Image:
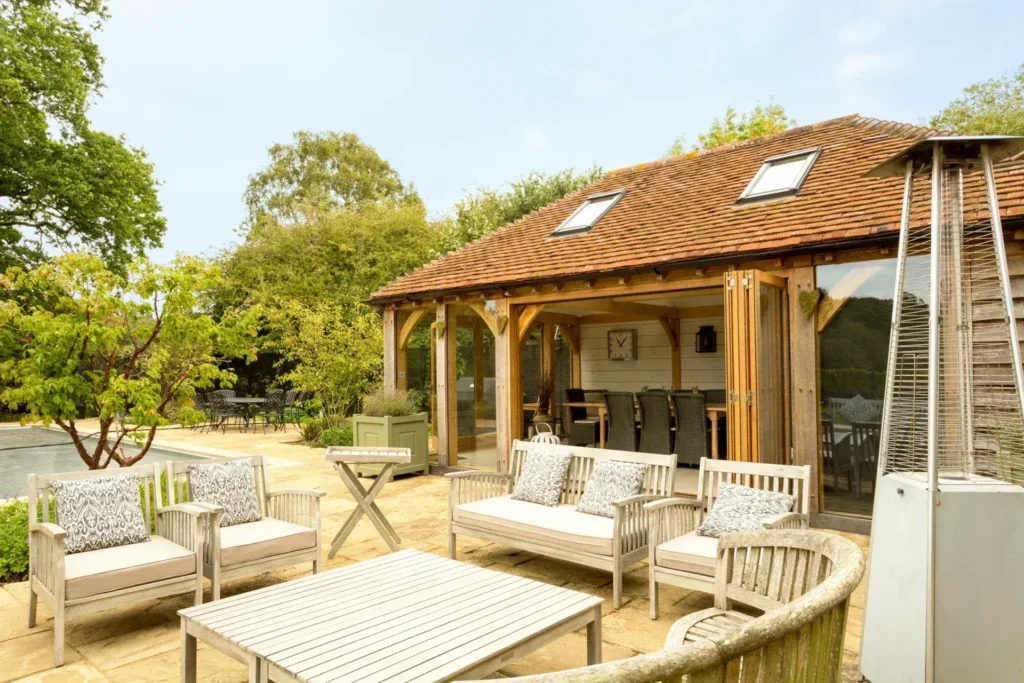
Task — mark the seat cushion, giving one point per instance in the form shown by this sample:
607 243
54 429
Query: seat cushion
256 540
109 569
689 553
560 526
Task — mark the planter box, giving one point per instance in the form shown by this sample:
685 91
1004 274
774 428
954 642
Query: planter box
407 431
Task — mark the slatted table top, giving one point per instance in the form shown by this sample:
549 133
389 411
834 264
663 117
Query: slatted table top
408 616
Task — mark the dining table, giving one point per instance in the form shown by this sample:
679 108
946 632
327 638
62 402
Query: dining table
249 406
715 411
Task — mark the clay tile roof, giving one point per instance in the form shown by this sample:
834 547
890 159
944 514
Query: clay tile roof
683 210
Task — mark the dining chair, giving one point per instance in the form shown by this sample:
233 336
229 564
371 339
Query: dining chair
621 421
865 438
580 428
655 422
691 426
222 411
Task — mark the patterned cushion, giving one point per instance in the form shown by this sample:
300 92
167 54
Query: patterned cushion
100 513
859 409
542 477
231 485
739 508
611 481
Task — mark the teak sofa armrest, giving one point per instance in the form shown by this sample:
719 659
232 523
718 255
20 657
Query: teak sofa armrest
631 527
193 509
670 518
184 524
466 487
52 530
315 493
787 520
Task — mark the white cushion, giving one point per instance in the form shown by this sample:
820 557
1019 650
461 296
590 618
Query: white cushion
560 526
109 569
257 540
689 553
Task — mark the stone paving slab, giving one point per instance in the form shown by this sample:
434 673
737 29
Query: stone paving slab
140 642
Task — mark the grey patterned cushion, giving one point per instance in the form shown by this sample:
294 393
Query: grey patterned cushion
231 485
611 481
100 513
739 508
542 477
859 409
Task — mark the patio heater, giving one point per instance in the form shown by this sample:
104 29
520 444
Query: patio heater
945 599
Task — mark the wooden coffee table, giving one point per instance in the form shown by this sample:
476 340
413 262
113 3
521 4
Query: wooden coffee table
407 616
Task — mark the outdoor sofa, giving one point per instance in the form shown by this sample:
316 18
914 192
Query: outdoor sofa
481 506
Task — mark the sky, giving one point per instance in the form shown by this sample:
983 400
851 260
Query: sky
463 95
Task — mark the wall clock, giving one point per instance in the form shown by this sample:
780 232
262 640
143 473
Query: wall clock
622 344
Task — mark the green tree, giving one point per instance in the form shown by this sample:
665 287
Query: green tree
336 351
992 107
321 173
61 182
339 255
734 127
130 349
486 210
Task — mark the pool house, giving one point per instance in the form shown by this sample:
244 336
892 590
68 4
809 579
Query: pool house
759 275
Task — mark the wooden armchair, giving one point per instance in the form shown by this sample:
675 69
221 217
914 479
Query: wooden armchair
288 534
679 556
94 580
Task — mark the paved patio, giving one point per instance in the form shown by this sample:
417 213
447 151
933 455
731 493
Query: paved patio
140 642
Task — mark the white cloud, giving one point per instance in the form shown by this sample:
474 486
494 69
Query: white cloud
535 139
854 65
860 32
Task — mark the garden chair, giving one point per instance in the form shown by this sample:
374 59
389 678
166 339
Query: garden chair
203 406
621 420
222 412
580 429
691 426
272 411
679 556
655 422
76 583
288 533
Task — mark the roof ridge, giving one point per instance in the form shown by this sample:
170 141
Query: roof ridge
907 130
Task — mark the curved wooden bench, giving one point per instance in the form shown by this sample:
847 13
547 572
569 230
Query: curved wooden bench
802 579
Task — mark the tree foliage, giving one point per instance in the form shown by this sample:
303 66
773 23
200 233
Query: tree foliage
487 210
61 182
128 348
318 174
734 127
992 107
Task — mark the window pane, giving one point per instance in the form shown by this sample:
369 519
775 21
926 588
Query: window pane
781 176
856 311
589 214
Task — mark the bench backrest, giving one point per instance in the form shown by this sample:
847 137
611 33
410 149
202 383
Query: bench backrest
40 489
179 490
794 480
659 480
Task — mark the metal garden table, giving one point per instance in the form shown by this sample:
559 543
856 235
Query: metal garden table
248 406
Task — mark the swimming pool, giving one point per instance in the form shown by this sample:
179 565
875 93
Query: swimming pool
34 450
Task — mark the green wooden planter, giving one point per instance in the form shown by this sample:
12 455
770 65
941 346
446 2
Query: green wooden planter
406 431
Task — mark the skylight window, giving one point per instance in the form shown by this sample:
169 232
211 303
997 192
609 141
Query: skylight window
592 210
781 175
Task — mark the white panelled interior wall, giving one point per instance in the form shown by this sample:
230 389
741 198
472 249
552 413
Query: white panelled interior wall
653 366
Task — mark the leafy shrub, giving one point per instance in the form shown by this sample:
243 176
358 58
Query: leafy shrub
13 540
310 429
383 403
337 436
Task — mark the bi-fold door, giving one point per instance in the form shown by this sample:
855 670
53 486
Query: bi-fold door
755 334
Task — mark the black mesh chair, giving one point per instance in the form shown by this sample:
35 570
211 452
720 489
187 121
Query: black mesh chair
655 422
203 406
272 411
691 427
580 429
621 420
222 412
